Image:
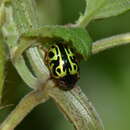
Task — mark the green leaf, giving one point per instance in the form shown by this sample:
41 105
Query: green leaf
101 9
113 8
78 37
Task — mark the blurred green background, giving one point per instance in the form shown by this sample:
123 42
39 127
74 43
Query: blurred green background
105 77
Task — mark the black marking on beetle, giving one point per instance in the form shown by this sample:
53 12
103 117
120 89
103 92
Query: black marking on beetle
55 65
58 70
73 59
67 49
64 56
75 67
51 54
53 46
56 50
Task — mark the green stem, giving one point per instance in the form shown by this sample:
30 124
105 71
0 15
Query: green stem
25 73
84 20
24 107
74 105
77 108
89 14
110 42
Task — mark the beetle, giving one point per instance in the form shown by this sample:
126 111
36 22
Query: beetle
63 65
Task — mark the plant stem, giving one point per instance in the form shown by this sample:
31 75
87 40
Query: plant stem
74 105
77 108
24 107
89 14
83 20
110 42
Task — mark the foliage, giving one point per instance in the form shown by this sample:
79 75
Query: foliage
24 31
101 9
